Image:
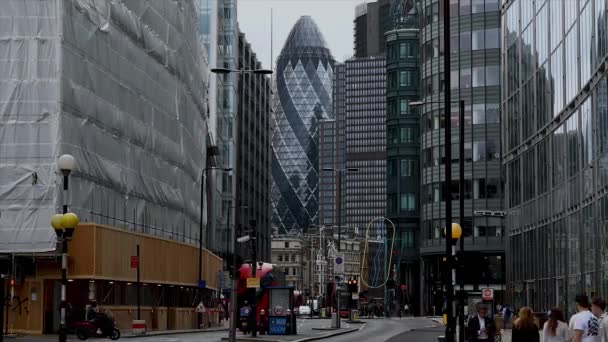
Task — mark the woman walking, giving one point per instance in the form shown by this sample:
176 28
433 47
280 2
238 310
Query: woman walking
524 328
555 329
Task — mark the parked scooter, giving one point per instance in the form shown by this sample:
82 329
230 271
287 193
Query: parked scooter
102 326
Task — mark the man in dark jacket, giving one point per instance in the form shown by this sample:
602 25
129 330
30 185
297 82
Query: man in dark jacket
480 327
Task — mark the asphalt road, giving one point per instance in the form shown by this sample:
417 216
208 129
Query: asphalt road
374 330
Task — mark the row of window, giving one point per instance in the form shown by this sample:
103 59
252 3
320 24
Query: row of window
402 51
479 76
401 202
402 79
462 42
397 107
402 167
288 257
488 150
473 189
481 113
432 12
402 135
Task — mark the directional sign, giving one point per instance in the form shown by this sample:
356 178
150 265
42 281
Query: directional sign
202 284
339 264
487 294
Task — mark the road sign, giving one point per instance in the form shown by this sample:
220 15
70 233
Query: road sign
339 264
202 284
200 308
487 294
223 279
253 282
134 261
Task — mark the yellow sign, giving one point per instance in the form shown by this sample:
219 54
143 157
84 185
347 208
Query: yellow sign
253 283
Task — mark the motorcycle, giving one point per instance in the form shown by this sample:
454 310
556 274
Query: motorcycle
101 326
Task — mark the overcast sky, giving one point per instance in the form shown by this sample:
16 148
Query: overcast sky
334 18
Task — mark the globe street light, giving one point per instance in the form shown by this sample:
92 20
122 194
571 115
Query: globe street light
64 226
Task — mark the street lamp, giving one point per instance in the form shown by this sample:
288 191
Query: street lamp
448 163
64 226
233 298
200 234
339 197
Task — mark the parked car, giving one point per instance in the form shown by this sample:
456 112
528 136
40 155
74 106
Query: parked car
304 310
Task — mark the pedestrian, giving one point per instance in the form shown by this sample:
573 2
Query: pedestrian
584 326
598 307
480 327
556 329
406 309
524 328
507 316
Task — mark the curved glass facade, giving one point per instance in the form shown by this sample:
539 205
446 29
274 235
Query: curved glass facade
304 80
555 110
475 78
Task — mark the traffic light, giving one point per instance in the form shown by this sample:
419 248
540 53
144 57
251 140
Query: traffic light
353 286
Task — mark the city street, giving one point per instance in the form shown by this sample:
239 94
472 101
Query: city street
373 330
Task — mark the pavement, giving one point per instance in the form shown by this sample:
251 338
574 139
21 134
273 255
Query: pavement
373 330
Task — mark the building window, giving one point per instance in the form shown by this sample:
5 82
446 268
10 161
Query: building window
405 78
286 244
407 167
408 202
293 257
404 107
280 257
406 134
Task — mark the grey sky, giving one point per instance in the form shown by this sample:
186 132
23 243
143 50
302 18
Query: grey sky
334 18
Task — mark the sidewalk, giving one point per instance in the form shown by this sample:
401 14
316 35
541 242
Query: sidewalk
308 330
45 338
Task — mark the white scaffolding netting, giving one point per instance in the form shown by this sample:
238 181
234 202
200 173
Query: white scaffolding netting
118 84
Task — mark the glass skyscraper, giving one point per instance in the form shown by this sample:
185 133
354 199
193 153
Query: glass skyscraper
304 78
555 133
475 70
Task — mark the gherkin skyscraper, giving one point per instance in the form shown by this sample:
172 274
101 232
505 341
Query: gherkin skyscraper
303 98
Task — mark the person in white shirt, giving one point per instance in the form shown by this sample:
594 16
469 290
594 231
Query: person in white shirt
584 326
598 307
555 329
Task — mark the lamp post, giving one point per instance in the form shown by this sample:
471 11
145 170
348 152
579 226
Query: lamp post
339 197
233 297
455 235
64 226
461 195
200 236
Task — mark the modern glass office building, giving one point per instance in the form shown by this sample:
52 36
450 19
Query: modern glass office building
475 71
555 133
219 35
304 79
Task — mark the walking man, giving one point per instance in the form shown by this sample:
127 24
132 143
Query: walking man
480 327
584 326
